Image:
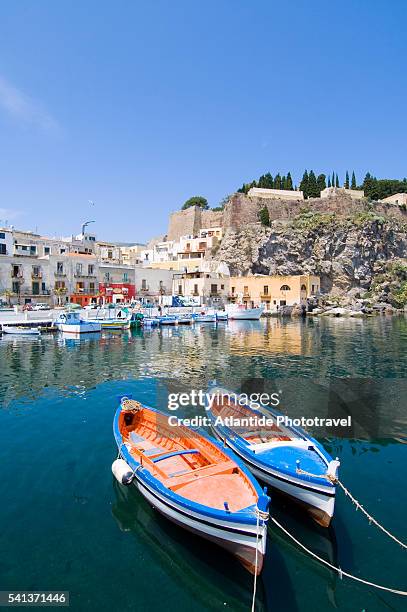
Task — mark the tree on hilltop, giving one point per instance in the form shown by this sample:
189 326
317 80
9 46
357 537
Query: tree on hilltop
321 183
196 201
289 182
353 182
313 191
337 181
346 180
304 184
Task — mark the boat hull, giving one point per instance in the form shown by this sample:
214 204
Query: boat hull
245 314
242 545
20 332
207 318
82 328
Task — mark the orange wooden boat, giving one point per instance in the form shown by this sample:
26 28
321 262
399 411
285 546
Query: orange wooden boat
193 481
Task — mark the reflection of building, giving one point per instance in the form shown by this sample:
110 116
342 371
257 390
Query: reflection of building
276 337
273 291
201 284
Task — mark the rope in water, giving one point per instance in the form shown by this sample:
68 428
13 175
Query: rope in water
333 567
356 503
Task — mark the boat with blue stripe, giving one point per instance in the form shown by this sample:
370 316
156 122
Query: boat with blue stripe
286 458
192 480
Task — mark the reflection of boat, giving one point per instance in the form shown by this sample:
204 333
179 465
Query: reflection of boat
71 323
240 312
202 572
20 330
150 321
192 481
284 457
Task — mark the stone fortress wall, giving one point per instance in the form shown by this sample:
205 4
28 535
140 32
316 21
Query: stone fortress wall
242 209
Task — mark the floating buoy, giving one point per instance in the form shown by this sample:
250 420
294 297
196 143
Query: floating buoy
122 472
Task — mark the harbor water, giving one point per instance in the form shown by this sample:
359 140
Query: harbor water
66 525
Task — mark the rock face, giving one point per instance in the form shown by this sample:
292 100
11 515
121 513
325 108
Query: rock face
348 253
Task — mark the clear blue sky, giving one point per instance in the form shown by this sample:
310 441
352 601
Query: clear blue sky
140 105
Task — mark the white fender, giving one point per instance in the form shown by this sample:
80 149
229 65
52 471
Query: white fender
122 472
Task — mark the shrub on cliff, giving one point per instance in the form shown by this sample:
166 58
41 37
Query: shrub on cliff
264 216
196 201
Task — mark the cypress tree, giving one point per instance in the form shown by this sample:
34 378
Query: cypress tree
329 181
333 179
283 182
312 185
268 181
321 182
277 181
347 180
353 183
289 182
264 216
337 181
304 184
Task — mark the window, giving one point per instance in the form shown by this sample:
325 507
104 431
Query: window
246 289
125 277
60 267
233 289
24 248
143 283
304 287
36 271
222 286
110 254
2 236
265 290
91 269
47 250
36 288
3 250
33 249
43 289
283 303
16 287
91 287
62 251
179 289
285 288
78 269
196 289
214 288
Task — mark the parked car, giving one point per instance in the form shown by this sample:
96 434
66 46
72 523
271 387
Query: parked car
41 306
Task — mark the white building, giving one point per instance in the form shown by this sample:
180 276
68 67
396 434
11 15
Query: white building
399 199
332 192
276 194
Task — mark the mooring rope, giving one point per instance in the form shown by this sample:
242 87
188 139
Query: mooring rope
256 560
340 571
357 504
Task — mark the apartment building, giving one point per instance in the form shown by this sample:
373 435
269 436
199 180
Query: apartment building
208 286
273 291
116 283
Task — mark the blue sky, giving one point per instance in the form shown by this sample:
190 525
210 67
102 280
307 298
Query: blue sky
140 105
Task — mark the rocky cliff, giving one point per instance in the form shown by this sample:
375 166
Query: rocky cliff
362 254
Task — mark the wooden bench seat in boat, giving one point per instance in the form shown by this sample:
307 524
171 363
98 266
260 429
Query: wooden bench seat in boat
175 482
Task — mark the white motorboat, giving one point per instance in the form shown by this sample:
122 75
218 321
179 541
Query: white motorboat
71 323
221 315
20 330
205 317
241 313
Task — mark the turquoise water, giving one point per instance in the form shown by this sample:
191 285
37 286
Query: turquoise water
65 525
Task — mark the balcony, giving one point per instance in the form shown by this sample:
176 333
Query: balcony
264 295
36 275
83 275
144 289
17 276
246 294
60 274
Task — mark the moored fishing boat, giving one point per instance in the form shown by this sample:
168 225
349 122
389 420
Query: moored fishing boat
241 313
285 457
192 481
20 330
71 323
221 315
204 317
168 320
184 319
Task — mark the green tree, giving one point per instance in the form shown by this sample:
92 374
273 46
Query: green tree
264 216
333 179
277 181
337 181
313 191
304 184
321 183
196 201
329 181
346 180
289 182
353 183
283 182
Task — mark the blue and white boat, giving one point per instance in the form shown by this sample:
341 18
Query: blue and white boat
192 481
286 458
204 317
71 323
168 320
